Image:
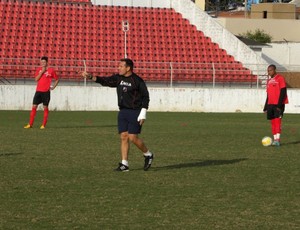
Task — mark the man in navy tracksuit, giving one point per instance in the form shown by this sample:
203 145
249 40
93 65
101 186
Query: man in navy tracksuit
133 102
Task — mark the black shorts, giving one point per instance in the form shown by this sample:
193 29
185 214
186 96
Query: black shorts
41 97
273 112
127 121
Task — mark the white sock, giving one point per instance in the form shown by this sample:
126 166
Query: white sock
278 136
125 162
148 154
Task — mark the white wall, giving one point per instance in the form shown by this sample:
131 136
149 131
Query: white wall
285 54
279 29
72 98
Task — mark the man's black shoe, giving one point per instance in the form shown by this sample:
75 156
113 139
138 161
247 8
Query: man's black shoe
122 168
148 162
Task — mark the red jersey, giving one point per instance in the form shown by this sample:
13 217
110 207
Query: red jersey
43 84
274 85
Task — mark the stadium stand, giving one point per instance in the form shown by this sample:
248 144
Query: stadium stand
164 45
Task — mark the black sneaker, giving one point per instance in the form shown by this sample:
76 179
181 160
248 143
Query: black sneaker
122 168
148 162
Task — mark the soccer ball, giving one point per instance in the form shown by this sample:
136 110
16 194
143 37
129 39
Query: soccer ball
266 141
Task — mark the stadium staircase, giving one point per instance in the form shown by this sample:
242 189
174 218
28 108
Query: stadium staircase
165 46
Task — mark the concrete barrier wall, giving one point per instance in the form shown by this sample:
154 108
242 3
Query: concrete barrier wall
91 98
283 27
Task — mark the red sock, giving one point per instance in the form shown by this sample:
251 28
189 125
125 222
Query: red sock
277 125
273 125
46 112
32 116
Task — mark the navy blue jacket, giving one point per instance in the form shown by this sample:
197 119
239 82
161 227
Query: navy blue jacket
132 91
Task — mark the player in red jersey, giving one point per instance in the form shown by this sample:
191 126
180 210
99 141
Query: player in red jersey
43 76
275 102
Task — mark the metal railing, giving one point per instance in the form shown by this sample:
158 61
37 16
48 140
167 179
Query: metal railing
13 71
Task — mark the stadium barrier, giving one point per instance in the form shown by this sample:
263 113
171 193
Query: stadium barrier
163 99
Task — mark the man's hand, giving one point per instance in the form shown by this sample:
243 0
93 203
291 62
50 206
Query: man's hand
44 69
85 75
142 116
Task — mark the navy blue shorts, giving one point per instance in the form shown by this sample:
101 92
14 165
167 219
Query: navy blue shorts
127 121
41 97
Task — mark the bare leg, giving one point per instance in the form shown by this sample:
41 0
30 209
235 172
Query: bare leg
124 145
138 142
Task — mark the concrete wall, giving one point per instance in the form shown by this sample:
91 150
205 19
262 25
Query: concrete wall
80 98
285 55
279 29
273 10
200 4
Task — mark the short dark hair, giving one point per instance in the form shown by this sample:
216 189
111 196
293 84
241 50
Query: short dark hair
128 62
272 66
44 58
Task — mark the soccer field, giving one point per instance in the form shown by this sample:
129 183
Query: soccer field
210 172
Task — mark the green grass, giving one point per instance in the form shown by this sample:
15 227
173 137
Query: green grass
210 172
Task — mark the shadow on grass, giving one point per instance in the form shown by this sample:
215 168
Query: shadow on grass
199 164
83 126
9 154
291 143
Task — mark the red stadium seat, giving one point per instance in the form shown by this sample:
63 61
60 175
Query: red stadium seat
72 31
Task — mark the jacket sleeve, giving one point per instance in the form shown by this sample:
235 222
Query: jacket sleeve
111 81
266 103
282 97
144 95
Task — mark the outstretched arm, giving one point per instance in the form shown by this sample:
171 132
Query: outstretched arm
88 75
111 81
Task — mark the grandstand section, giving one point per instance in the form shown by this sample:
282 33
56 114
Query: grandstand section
165 46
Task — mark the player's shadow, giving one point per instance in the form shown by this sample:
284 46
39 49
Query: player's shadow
202 163
83 126
9 154
291 143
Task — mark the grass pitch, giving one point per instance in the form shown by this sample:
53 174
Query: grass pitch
210 172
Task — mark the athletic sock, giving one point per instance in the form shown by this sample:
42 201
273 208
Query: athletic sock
273 125
148 154
46 113
32 116
125 162
277 122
